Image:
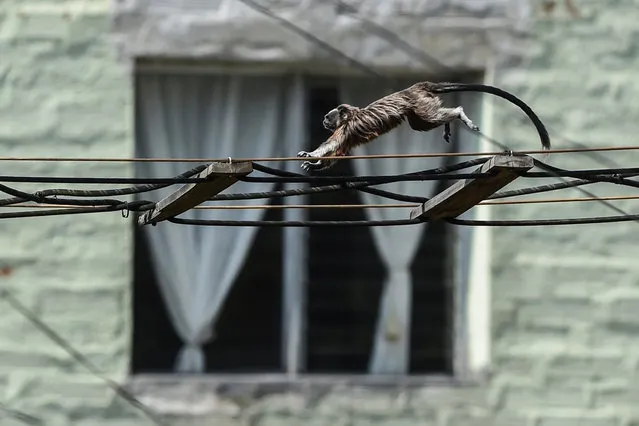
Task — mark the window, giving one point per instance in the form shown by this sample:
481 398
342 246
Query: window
342 290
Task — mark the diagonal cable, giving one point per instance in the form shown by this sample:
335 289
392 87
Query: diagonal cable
79 357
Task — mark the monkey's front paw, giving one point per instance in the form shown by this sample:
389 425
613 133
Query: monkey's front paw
303 154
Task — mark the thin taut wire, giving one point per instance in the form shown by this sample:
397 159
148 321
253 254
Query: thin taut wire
352 157
353 206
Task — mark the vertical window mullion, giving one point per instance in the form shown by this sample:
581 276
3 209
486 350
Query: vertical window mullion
294 256
293 324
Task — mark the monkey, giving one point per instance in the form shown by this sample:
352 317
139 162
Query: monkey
418 104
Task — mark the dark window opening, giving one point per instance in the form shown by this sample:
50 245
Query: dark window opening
248 333
431 334
155 342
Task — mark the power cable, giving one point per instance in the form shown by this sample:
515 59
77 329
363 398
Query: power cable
313 39
547 222
295 158
79 357
403 222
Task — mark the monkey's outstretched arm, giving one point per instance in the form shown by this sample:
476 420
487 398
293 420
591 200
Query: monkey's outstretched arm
333 146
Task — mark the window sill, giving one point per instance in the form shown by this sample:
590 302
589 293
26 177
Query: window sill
228 394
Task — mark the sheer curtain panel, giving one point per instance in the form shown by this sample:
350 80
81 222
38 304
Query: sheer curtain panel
206 116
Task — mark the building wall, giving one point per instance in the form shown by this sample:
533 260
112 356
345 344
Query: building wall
565 328
63 93
563 299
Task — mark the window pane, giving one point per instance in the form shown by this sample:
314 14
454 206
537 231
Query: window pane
155 343
432 330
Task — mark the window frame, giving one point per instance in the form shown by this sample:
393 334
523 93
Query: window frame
471 338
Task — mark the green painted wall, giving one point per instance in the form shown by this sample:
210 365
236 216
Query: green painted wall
565 300
63 93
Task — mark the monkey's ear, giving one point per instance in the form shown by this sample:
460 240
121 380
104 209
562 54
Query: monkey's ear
343 112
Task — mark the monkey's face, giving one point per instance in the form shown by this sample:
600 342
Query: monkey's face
338 116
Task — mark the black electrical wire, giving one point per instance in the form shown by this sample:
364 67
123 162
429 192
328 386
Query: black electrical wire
372 180
438 170
400 222
296 224
55 212
43 196
331 188
539 189
136 206
313 39
359 186
152 182
440 173
395 40
417 176
113 192
21 196
547 222
603 175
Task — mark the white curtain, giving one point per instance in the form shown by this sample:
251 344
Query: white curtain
206 117
396 245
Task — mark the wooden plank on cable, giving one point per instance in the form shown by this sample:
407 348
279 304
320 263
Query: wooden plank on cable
466 193
219 177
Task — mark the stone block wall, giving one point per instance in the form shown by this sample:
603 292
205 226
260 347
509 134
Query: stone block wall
565 324
63 94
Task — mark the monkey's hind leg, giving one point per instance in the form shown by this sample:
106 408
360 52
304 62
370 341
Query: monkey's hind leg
461 115
447 132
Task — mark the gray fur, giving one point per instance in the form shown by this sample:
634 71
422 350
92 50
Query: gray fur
353 126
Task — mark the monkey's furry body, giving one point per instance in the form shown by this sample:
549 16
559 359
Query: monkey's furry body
418 104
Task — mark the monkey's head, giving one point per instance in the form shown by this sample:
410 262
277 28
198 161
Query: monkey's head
338 116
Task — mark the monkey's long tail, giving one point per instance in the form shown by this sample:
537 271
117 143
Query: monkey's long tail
461 87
